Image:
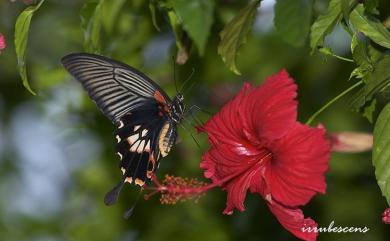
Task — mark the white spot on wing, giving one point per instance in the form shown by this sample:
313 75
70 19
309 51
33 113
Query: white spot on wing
120 155
136 127
141 147
118 139
134 146
121 124
133 138
123 170
144 132
147 147
129 179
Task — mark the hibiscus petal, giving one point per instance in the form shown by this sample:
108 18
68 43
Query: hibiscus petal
270 110
225 126
223 160
235 172
294 221
300 160
237 190
219 165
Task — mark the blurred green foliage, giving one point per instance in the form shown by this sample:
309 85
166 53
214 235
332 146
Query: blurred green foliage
56 148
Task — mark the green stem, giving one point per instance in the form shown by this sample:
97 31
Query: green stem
328 51
311 119
342 58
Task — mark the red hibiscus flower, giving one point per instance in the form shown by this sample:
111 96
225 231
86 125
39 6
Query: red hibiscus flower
258 145
2 42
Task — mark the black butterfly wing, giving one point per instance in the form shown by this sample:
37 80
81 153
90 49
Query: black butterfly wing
137 146
115 87
138 107
143 136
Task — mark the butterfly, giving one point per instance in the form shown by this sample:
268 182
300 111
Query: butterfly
146 118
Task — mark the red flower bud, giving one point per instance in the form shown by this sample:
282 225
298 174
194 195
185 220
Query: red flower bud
386 216
2 42
347 141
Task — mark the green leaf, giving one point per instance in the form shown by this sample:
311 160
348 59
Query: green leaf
381 152
358 72
22 28
371 5
176 28
370 26
110 11
293 19
234 35
91 22
359 51
346 8
196 17
325 24
361 55
365 55
376 80
152 9
369 110
375 54
183 43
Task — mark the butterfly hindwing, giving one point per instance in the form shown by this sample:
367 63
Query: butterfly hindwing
137 145
137 138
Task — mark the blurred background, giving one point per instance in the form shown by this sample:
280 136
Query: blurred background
56 148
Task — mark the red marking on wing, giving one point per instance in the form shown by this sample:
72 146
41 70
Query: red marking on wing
160 99
151 166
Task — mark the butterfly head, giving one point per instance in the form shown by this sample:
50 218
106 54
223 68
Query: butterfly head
177 108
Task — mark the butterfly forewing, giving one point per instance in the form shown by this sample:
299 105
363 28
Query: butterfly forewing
115 87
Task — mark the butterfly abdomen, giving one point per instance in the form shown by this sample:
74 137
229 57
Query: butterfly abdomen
167 138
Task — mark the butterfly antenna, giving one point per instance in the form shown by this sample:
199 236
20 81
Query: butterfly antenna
198 108
190 113
188 89
193 137
189 77
196 120
130 211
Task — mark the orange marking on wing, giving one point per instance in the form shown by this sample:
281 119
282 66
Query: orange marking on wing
160 99
139 182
